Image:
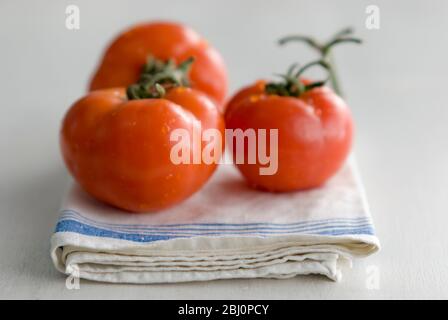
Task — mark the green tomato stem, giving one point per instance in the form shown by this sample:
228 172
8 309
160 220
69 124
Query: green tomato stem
157 76
324 49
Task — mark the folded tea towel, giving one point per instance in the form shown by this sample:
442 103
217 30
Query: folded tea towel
224 231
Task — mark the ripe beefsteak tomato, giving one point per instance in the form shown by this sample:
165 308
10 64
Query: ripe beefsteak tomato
315 130
123 60
118 144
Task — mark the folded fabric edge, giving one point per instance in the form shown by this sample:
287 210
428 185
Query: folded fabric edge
283 271
346 246
355 245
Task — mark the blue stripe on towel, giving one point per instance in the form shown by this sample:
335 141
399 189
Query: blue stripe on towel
70 225
311 228
74 215
81 228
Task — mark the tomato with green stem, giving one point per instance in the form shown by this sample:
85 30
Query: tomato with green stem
123 60
315 129
117 143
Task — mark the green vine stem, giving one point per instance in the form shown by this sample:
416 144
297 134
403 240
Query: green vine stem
324 49
157 76
292 86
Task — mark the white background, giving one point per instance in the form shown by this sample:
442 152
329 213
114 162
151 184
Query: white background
396 85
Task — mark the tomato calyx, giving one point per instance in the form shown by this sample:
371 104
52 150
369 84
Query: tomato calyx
324 49
158 76
292 86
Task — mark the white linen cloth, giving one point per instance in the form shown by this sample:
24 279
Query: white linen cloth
224 231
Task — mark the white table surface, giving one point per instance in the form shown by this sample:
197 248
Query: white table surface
396 84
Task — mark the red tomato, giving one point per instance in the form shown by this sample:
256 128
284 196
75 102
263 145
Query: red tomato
315 133
123 60
118 150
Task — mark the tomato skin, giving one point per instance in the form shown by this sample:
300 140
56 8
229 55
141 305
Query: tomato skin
119 150
253 90
123 60
315 133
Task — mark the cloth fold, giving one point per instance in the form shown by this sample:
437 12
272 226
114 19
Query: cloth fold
224 231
